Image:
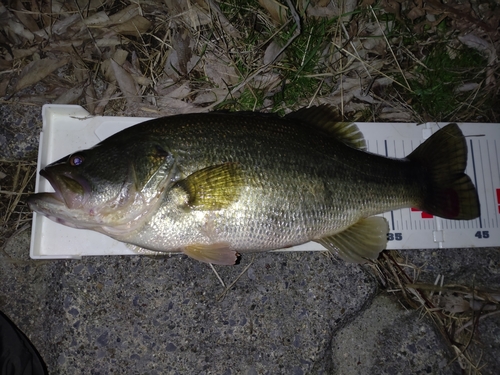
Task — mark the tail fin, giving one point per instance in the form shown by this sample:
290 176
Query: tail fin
451 194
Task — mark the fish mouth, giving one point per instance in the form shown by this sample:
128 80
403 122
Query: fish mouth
69 189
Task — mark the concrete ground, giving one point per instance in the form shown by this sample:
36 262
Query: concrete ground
290 313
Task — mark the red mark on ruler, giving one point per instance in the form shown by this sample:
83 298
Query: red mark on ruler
498 200
424 214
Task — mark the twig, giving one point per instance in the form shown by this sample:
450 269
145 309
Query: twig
392 52
223 294
217 274
297 32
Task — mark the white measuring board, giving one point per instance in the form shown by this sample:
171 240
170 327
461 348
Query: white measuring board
67 128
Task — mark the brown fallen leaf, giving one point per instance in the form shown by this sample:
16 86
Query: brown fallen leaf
119 56
3 86
226 25
91 98
220 71
136 26
13 28
272 51
24 16
211 95
126 83
37 70
276 10
180 43
124 15
485 48
187 12
101 103
70 96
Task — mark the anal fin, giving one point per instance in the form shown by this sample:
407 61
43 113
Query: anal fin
218 253
361 241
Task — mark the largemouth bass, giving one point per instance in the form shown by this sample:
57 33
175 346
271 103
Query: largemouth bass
218 184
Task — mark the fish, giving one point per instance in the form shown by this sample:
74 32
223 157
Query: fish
220 184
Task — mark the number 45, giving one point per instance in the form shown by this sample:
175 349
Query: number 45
482 234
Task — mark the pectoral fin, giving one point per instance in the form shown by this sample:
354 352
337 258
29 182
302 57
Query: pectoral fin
361 241
213 188
215 254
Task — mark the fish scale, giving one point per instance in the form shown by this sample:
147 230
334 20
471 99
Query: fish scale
275 205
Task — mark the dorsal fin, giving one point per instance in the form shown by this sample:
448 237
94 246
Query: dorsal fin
329 120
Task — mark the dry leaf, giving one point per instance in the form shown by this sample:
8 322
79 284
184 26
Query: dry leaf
90 4
103 102
467 87
37 70
180 92
126 83
12 27
24 16
487 49
90 97
187 13
96 19
70 96
3 86
171 106
135 27
226 25
266 81
124 15
453 304
415 12
395 114
58 27
345 90
120 56
220 71
276 10
172 64
211 96
180 42
361 95
271 53
323 9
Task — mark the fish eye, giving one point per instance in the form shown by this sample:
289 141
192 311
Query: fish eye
76 160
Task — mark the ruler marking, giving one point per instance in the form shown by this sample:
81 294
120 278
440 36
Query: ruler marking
408 222
484 177
392 212
482 174
474 173
497 189
490 175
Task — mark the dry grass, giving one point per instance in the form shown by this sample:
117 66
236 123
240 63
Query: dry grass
374 60
16 181
377 61
456 310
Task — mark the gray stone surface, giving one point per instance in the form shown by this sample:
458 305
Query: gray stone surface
387 339
141 315
19 131
298 313
472 267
